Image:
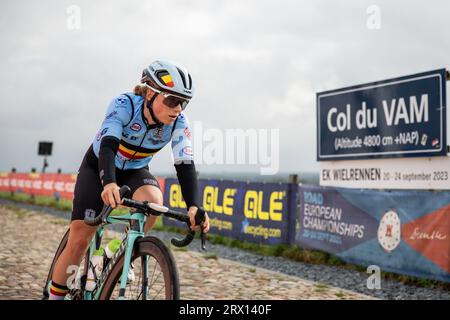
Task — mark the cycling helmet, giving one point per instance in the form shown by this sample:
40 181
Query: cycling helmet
169 77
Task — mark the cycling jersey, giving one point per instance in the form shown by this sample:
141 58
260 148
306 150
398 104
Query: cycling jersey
139 140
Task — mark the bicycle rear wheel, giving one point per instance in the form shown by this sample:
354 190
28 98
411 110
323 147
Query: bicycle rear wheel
162 275
58 252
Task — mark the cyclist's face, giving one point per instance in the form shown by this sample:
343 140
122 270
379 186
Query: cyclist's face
164 112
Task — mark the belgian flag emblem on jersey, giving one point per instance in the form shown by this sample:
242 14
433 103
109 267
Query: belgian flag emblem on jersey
130 151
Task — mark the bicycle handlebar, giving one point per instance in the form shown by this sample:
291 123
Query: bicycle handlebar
199 218
101 218
156 210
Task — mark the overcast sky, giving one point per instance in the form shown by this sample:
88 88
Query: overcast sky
255 64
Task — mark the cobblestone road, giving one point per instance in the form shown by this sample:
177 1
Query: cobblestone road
29 239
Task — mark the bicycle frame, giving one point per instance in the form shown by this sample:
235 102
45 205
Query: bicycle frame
136 219
136 231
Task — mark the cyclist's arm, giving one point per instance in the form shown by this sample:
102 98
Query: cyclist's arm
117 115
107 158
184 162
187 177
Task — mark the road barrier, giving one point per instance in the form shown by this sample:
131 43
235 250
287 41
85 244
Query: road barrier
406 232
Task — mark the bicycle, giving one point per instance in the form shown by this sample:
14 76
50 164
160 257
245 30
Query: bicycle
136 249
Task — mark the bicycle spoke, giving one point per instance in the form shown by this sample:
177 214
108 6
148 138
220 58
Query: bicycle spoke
135 289
159 291
153 273
156 279
138 286
158 285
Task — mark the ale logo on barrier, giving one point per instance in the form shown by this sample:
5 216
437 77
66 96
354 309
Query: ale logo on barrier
389 231
176 197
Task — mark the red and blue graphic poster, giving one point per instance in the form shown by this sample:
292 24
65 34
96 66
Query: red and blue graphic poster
406 232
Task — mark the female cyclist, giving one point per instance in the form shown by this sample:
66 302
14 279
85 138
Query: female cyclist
136 126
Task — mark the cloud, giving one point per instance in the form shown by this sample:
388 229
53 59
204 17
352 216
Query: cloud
256 64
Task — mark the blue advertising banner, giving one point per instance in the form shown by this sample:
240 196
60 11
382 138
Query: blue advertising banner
407 232
401 117
254 212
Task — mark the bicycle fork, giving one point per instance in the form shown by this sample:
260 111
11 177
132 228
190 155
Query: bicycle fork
136 232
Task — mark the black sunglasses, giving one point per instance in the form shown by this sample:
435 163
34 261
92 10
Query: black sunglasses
173 102
170 100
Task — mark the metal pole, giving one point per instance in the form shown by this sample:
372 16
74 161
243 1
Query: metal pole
45 165
293 178
13 170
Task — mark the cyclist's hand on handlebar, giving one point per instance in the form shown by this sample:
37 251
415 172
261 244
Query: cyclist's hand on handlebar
110 195
191 213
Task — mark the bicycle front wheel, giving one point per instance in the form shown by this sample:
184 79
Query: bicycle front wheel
154 276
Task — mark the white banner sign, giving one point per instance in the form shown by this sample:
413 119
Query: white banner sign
402 173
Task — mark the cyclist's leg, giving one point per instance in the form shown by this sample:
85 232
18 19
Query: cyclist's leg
79 238
151 194
87 200
144 186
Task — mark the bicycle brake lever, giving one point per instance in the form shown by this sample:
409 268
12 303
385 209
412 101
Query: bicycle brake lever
199 219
